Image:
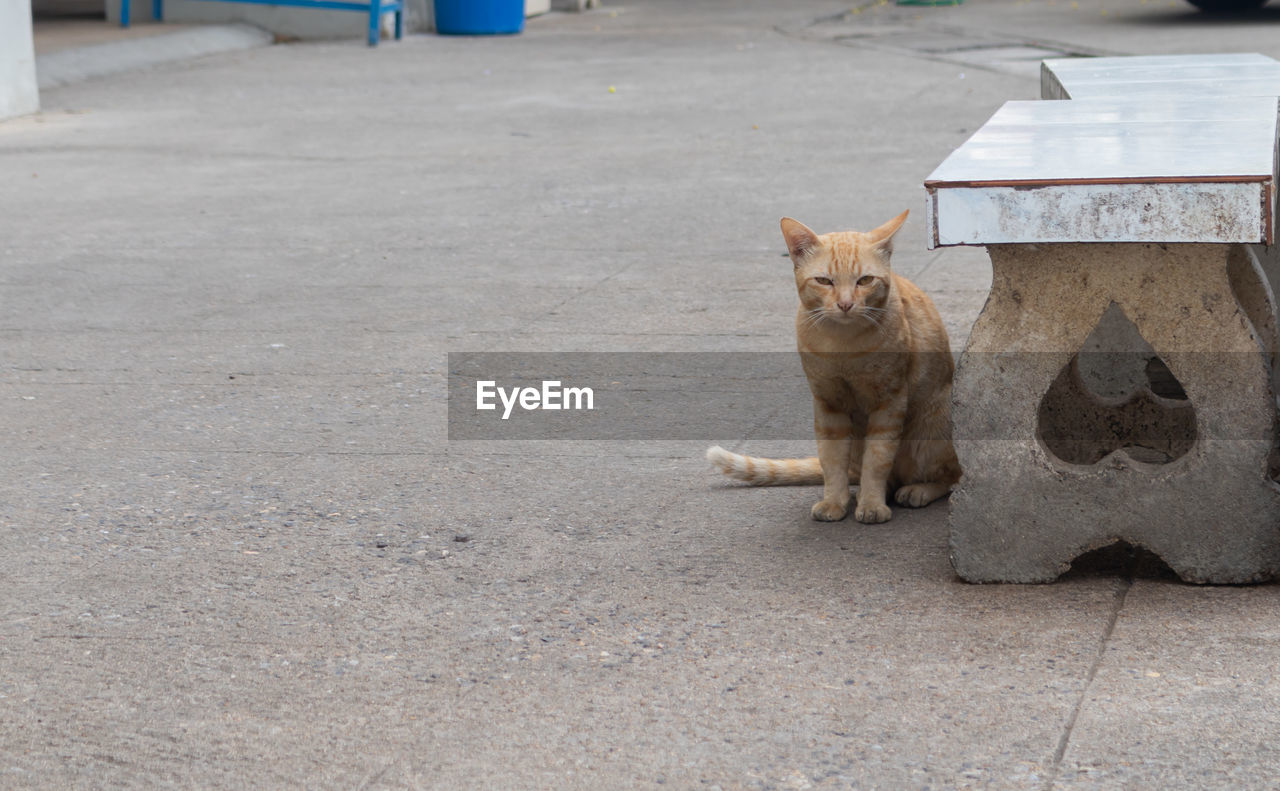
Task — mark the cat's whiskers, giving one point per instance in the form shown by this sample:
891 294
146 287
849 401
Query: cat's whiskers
876 315
813 316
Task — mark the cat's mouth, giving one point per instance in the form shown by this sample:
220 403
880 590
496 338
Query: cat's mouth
852 317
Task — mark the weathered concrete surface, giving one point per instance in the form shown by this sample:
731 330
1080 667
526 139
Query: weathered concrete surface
1049 470
72 65
209 582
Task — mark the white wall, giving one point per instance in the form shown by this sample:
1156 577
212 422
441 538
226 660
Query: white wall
18 95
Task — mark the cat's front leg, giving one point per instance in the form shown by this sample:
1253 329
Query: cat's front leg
834 432
884 433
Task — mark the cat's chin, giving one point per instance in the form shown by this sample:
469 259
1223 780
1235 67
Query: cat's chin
848 322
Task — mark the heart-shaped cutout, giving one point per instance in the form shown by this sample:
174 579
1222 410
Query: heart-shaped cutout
1116 394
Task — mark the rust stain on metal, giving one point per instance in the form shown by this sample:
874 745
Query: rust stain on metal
1037 183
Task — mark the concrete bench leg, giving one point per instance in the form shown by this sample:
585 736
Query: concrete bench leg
1211 511
1268 260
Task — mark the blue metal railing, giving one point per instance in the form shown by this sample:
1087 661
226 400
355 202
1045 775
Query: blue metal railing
375 9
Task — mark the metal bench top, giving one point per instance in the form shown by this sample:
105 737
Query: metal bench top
1234 74
1111 170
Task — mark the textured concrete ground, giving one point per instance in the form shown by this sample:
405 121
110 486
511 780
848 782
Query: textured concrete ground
239 551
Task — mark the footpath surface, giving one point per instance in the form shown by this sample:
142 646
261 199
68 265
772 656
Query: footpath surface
238 550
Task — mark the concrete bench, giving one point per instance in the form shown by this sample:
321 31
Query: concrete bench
1139 77
1156 76
1140 210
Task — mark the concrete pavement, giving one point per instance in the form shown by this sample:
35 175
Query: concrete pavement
239 551
75 50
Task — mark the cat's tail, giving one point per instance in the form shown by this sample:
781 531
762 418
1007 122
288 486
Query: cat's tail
765 472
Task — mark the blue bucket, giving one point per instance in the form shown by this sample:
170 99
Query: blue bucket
479 17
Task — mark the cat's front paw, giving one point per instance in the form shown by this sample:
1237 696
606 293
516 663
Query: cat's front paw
918 495
830 511
872 513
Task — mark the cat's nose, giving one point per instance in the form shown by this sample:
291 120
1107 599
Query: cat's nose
845 306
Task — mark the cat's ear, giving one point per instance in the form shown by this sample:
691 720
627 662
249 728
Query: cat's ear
882 238
801 241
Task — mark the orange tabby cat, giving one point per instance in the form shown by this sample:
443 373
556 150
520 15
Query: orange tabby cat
879 365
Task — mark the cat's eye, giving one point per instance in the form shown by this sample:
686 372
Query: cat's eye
866 280
826 281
